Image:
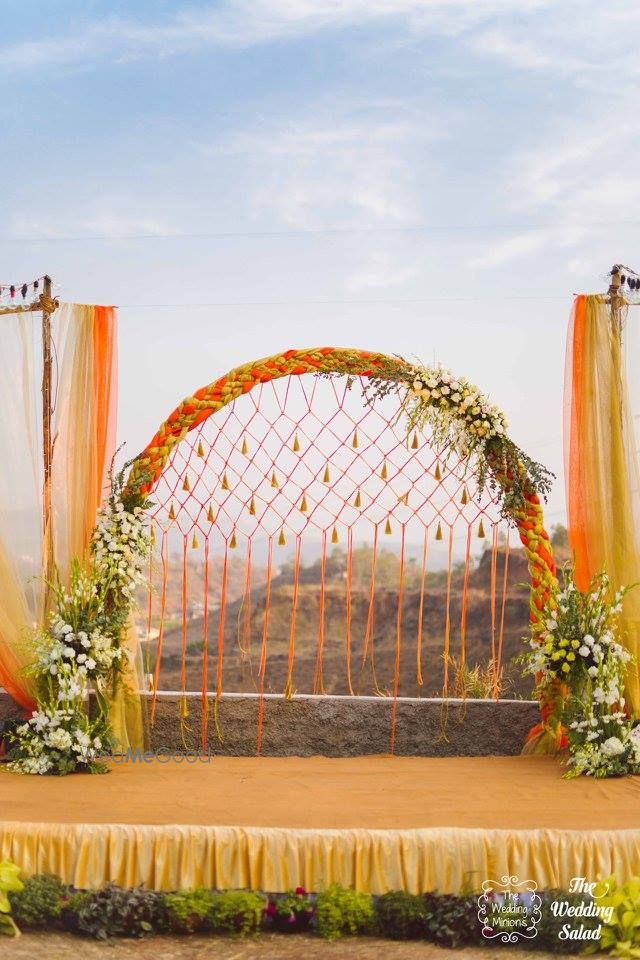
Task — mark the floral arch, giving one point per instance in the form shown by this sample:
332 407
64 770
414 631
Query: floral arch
244 476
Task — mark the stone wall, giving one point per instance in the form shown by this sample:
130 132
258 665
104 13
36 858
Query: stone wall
343 726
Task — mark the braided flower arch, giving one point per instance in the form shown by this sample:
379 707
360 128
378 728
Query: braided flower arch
525 512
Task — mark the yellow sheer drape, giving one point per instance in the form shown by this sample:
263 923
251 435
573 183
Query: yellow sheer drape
85 444
602 466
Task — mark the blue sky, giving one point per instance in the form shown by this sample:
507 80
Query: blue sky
428 177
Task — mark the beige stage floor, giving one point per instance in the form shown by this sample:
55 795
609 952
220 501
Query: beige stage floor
379 792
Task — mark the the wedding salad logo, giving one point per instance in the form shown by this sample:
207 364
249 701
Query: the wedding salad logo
582 910
510 909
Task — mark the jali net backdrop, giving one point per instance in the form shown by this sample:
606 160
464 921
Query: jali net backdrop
304 544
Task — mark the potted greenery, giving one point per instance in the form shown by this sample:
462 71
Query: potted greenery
291 912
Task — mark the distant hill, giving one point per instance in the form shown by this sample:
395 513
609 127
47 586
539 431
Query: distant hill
244 625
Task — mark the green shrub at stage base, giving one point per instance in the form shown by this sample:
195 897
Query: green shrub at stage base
341 911
201 910
402 916
40 903
115 911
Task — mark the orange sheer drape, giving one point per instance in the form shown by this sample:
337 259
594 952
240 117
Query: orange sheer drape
601 466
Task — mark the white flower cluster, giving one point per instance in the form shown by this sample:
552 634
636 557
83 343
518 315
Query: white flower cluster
82 646
581 667
438 387
56 740
120 546
75 655
608 749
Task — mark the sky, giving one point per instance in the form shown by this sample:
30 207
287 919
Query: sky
433 178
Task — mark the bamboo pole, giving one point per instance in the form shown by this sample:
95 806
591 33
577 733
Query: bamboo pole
47 306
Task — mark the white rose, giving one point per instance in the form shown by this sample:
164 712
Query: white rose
584 651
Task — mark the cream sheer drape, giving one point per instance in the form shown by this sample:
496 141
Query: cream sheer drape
21 590
601 466
83 432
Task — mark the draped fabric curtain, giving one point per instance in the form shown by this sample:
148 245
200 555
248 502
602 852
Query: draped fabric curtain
21 478
83 432
601 466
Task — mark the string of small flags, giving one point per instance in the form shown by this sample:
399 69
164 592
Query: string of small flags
627 276
9 291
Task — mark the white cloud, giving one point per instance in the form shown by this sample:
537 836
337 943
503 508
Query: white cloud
248 22
354 166
382 271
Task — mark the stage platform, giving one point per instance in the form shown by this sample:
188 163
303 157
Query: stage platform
376 823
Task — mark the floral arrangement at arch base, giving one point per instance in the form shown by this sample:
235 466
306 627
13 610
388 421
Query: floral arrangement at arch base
82 647
580 665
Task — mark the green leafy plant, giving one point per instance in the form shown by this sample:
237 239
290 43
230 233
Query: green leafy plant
40 902
342 911
401 916
115 912
237 911
10 882
621 933
188 911
452 921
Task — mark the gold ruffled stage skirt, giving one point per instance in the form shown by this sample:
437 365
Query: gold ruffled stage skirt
375 823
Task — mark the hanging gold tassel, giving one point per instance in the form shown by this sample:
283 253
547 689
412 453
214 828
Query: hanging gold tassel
244 449
438 472
387 527
355 443
481 533
404 498
274 480
184 707
172 512
303 504
334 536
225 482
296 444
194 542
464 499
210 514
384 473
252 507
439 532
200 450
326 478
414 442
186 485
281 538
233 543
152 535
358 501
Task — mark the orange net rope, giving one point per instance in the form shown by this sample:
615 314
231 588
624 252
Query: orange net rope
304 544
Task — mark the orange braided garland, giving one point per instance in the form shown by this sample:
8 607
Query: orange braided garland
208 400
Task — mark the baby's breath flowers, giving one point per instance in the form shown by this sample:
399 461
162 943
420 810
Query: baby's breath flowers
82 647
580 666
